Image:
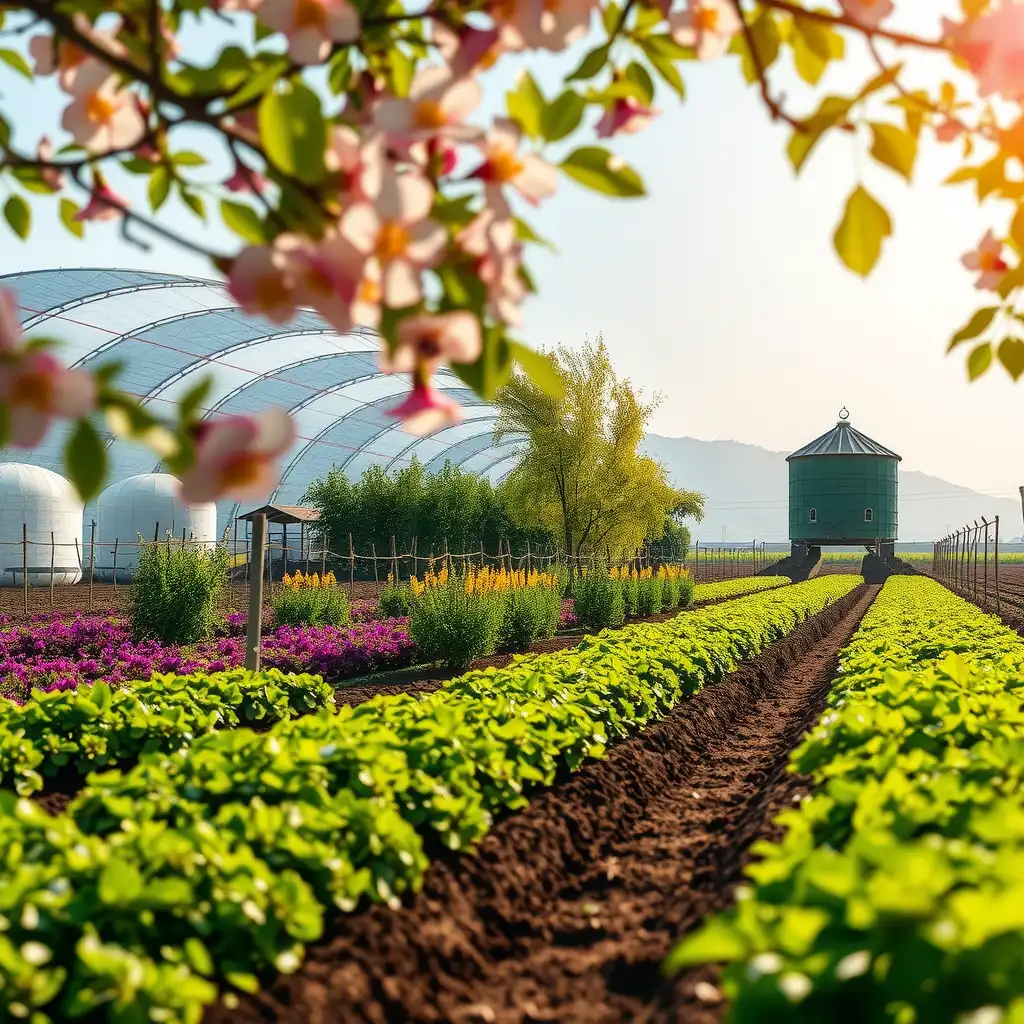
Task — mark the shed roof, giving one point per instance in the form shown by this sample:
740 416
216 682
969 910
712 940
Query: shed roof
288 514
843 439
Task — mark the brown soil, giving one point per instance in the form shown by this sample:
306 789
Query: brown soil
566 910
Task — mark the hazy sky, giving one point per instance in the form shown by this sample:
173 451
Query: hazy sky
721 288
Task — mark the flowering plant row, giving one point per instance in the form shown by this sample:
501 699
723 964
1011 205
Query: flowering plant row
895 892
199 872
734 588
352 169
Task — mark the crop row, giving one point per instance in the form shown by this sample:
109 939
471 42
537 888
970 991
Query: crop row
897 890
204 870
704 592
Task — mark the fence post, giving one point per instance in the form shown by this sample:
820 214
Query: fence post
53 557
415 558
254 622
373 548
24 564
113 571
394 560
92 560
528 562
482 556
996 565
351 566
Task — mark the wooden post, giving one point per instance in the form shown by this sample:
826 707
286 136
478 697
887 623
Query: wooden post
482 562
254 622
92 560
529 563
351 565
53 558
113 571
376 577
234 546
415 560
323 558
446 553
996 565
24 564
156 532
394 560
986 524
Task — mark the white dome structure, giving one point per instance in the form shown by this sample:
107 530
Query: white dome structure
41 506
145 506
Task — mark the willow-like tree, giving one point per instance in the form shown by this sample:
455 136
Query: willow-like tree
582 476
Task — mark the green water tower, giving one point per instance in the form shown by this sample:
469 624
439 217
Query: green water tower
843 489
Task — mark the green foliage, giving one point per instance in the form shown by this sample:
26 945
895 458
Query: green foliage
311 606
174 591
99 726
734 588
861 232
897 882
395 599
206 869
528 614
451 626
451 505
598 599
582 477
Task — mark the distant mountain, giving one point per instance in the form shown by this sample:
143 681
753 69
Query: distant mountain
747 491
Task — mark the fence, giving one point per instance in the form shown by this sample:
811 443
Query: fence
968 562
46 574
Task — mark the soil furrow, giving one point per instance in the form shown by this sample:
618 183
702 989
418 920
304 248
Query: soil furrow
567 908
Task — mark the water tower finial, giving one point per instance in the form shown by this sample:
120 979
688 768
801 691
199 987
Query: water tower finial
844 414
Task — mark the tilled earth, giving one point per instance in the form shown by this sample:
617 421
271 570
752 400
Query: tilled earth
566 910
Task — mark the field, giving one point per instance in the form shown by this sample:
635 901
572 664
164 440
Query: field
562 837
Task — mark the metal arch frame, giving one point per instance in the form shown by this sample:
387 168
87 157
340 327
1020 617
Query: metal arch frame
416 441
55 311
499 461
446 456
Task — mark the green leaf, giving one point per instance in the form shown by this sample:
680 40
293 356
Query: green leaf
540 368
68 212
243 220
810 66
639 75
823 40
979 360
526 106
525 233
15 60
831 111
561 117
669 73
258 80
339 72
610 17
186 158
767 40
294 132
18 216
895 147
85 459
195 203
591 64
714 942
191 402
403 67
492 369
865 225
159 187
974 327
1011 355
597 169
663 45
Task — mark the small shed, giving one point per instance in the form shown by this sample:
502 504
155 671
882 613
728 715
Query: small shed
283 516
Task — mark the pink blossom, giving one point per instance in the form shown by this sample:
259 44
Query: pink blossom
626 115
102 116
237 457
311 25
359 160
428 340
104 203
706 25
541 24
987 259
470 49
869 13
425 410
397 232
35 389
948 131
52 177
503 164
492 238
993 47
244 179
10 326
259 282
437 107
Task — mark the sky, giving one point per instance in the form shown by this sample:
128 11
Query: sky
720 290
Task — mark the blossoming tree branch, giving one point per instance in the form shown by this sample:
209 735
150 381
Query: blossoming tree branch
363 188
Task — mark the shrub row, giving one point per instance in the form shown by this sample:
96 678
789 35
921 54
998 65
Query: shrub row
704 592
204 870
897 891
95 726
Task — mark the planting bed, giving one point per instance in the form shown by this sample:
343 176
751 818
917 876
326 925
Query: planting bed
567 908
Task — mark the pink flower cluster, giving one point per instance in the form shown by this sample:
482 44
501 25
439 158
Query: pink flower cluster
57 655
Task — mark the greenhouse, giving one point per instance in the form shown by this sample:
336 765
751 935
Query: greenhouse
171 331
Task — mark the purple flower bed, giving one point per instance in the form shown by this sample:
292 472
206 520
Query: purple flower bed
569 619
57 655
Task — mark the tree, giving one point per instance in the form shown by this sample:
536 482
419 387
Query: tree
339 150
581 475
